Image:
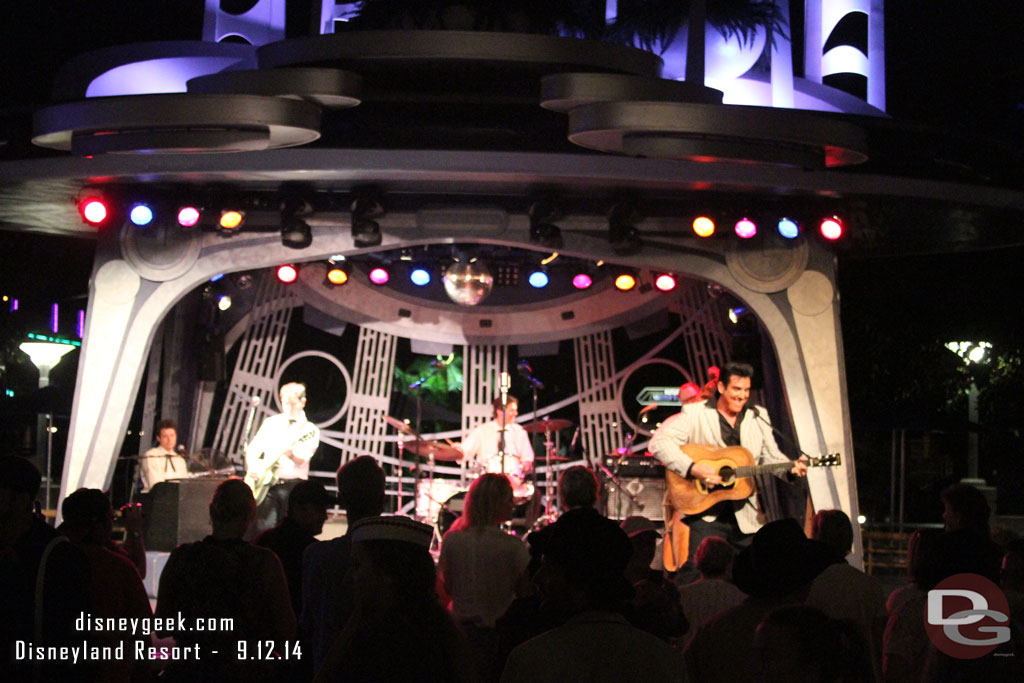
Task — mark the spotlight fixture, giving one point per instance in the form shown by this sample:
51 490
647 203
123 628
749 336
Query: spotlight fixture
745 228
703 226
582 281
379 276
736 313
287 273
543 231
224 302
831 228
538 279
295 232
231 219
789 228
625 282
366 207
337 276
622 233
141 215
665 282
94 210
188 216
419 276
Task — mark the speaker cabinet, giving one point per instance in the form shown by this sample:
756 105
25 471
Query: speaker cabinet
648 491
177 512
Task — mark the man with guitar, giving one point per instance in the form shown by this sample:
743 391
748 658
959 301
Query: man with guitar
280 451
688 444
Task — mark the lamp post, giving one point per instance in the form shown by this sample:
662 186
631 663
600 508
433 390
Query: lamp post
972 353
45 353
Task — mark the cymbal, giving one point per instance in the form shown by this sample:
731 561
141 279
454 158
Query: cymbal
399 425
553 458
438 450
540 426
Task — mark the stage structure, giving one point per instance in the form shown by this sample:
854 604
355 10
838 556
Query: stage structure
352 148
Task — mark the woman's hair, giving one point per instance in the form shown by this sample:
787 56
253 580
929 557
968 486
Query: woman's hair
486 500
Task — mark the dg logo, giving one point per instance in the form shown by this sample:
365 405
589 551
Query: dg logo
967 616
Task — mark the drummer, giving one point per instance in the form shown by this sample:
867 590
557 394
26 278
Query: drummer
482 446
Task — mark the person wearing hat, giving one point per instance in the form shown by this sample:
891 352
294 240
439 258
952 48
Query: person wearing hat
582 579
33 555
307 512
726 420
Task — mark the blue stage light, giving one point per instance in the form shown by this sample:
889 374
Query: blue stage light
539 279
420 277
788 228
141 215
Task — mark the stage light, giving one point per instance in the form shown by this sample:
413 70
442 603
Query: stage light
543 231
295 233
94 210
736 313
665 282
831 228
231 219
379 276
788 228
188 216
745 228
625 282
420 277
366 206
703 226
287 274
337 276
582 281
224 302
622 233
538 279
141 215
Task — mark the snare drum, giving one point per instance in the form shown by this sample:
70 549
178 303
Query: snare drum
522 487
449 512
430 493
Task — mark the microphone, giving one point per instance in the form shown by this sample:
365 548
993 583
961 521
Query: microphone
180 449
255 400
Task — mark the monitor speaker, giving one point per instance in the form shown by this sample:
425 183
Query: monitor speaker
648 492
176 512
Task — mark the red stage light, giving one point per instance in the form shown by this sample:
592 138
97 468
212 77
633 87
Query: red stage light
831 228
287 274
94 210
665 282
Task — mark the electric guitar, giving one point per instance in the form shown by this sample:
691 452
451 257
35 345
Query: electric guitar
735 465
261 474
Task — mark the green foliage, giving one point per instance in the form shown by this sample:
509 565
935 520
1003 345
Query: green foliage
444 385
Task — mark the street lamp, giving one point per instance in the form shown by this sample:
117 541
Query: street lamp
45 353
972 353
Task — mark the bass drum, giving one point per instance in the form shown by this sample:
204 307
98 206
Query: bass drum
450 511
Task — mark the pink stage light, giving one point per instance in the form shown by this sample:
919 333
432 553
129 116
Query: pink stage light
665 282
745 228
582 281
188 216
379 276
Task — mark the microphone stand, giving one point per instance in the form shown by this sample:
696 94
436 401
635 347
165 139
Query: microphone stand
417 389
613 476
791 442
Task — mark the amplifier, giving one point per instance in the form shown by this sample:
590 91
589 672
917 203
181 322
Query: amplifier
648 491
176 512
635 466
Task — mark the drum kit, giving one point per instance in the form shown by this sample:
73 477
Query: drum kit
439 501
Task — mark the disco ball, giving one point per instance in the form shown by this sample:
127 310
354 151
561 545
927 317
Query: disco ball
467 284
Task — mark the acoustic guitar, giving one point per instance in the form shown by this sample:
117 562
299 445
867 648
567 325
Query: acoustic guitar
735 465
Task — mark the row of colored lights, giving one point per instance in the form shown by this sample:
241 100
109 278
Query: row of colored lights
830 227
421 277
96 211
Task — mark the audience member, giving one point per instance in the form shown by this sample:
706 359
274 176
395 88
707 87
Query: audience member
115 588
582 578
922 568
776 569
801 644
327 596
578 487
225 577
482 569
845 592
655 605
398 631
42 576
304 521
713 592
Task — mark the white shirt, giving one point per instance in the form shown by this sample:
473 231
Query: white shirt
480 569
277 434
160 464
481 444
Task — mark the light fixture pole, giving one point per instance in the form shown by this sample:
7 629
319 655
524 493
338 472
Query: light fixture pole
45 355
972 353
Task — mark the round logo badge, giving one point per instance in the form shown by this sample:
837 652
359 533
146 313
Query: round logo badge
967 616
